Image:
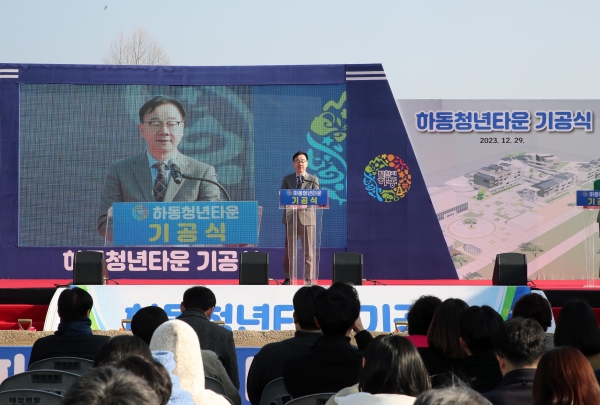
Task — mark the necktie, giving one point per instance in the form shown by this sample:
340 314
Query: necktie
160 184
299 185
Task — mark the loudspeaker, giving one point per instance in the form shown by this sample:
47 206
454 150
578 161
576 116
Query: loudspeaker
347 267
254 268
510 269
89 268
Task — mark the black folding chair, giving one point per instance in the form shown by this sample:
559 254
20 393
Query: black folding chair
73 365
315 399
44 380
275 393
36 397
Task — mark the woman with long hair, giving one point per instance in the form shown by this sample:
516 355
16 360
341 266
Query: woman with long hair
577 327
444 354
393 373
565 377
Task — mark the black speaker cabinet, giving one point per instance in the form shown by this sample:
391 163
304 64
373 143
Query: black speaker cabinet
254 268
348 267
89 268
510 269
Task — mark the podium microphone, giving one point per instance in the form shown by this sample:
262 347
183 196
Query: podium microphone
178 176
176 173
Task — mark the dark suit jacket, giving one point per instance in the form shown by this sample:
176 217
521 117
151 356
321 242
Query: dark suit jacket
84 347
305 216
130 180
516 388
215 338
438 365
268 362
481 372
330 365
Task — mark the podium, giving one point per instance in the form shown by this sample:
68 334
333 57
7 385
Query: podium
196 223
302 216
589 200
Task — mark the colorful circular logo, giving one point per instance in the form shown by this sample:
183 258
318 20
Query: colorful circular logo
289 192
140 212
387 178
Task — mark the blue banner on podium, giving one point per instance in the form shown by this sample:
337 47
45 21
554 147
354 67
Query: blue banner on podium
588 198
185 223
304 197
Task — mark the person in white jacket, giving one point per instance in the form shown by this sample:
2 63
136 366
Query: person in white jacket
179 337
393 374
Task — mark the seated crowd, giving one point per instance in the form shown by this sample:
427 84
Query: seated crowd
453 354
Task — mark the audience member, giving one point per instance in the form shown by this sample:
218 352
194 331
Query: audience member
477 327
444 354
196 309
519 345
152 372
577 327
268 362
120 347
451 396
110 386
146 320
534 306
74 336
419 318
179 396
180 339
565 377
332 363
393 373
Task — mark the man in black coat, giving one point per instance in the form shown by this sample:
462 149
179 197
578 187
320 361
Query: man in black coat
519 344
196 309
268 362
477 327
74 337
332 363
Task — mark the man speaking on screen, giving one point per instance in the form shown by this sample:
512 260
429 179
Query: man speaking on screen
305 220
147 176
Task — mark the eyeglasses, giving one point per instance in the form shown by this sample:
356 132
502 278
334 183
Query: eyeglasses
160 124
301 161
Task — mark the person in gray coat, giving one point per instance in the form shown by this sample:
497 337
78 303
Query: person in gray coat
196 309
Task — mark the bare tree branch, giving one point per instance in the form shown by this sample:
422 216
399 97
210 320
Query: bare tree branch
137 49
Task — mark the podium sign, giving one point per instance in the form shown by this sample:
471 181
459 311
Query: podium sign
185 223
304 197
588 198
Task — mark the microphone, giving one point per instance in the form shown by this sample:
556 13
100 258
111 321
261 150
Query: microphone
185 176
310 181
176 173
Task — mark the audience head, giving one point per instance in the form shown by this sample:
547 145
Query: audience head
520 343
444 333
74 304
477 327
337 309
110 386
534 306
146 320
392 365
304 306
421 313
180 339
451 396
199 298
577 327
152 372
564 376
120 347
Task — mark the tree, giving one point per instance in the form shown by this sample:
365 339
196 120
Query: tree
480 194
459 258
137 49
530 247
470 222
509 156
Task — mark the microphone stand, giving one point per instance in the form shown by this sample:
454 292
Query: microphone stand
185 176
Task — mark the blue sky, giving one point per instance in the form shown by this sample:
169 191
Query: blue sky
429 49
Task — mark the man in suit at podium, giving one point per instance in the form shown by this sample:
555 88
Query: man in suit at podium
306 219
147 176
